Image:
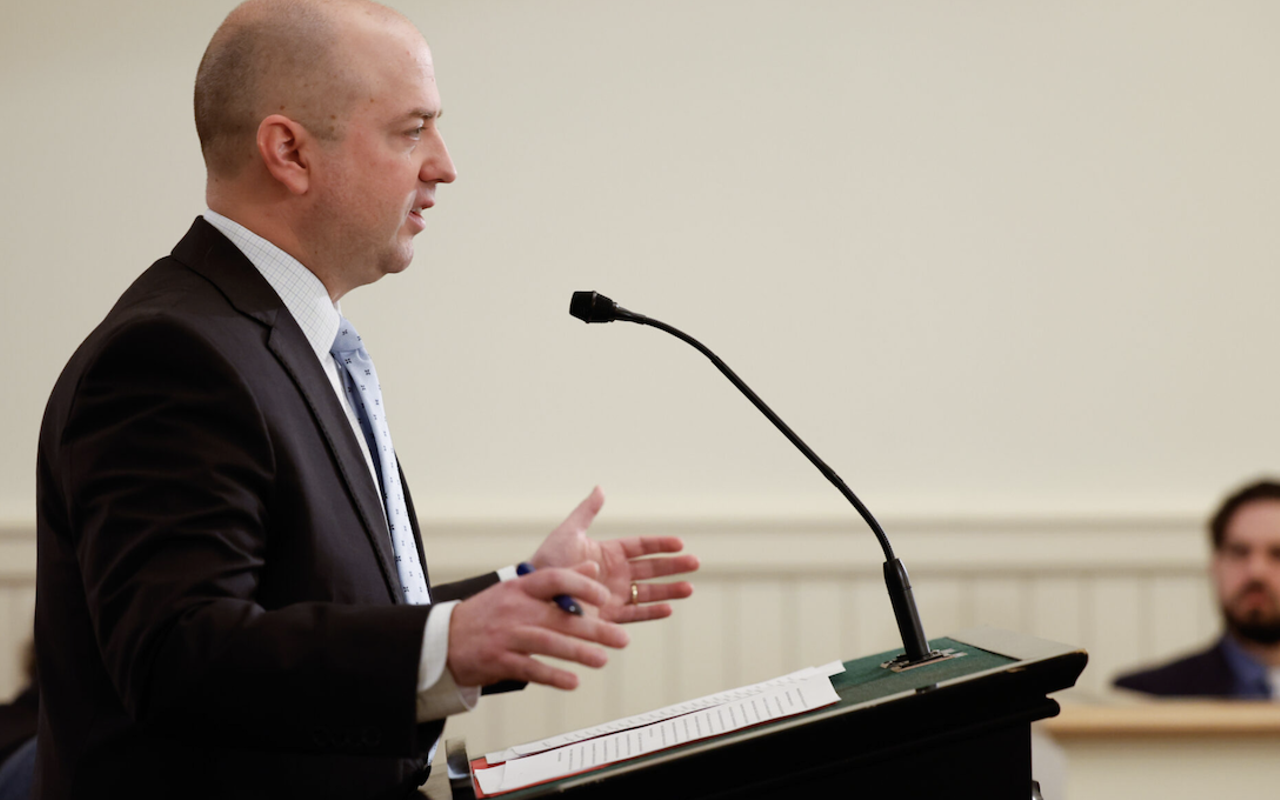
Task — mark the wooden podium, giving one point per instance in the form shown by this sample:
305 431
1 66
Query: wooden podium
959 727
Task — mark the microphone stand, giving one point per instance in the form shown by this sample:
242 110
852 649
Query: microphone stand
593 307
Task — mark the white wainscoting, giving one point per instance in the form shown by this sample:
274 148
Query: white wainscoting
775 596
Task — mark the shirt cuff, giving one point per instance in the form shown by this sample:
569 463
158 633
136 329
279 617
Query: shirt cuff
507 573
438 695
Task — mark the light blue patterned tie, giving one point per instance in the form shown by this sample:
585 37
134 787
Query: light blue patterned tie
361 382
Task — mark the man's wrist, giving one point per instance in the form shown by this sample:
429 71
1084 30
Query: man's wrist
438 694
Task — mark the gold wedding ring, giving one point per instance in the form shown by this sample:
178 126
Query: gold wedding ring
635 594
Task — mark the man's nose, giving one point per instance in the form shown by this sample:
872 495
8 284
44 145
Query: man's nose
438 166
1259 564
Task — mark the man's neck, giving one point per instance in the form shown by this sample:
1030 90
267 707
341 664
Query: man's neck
278 233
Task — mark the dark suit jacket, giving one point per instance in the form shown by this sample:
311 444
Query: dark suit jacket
1204 674
218 611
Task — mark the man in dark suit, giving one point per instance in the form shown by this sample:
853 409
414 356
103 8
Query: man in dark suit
1245 661
221 609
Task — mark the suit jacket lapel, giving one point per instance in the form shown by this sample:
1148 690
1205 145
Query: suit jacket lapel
294 352
209 253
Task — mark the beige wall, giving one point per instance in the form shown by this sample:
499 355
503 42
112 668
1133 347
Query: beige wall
989 258
1007 266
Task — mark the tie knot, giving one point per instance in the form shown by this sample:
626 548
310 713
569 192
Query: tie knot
347 340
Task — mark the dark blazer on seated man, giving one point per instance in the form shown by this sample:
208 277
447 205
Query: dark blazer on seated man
218 605
1224 670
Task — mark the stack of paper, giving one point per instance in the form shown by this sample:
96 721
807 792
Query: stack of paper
713 715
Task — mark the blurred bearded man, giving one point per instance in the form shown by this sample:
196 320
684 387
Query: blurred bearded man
1245 661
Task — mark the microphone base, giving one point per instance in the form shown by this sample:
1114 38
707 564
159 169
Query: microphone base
902 663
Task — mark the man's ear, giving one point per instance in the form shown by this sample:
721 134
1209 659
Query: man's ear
285 149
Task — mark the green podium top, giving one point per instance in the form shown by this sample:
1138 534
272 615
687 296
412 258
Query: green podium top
864 680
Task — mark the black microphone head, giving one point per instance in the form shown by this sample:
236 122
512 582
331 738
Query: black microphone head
593 307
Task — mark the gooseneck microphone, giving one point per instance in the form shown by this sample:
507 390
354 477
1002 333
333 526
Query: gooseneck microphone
594 307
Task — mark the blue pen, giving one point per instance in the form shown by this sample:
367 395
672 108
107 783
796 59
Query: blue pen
563 600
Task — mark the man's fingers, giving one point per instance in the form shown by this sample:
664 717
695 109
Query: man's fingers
654 592
580 587
582 516
593 629
558 623
636 546
646 568
649 603
545 642
525 668
626 614
545 584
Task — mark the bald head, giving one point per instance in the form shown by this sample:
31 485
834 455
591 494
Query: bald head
283 57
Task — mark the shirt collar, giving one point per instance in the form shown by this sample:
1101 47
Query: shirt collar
302 292
1250 674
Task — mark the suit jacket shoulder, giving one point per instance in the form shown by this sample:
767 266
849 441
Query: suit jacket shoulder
1202 674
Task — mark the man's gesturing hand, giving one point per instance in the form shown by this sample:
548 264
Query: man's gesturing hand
622 562
494 635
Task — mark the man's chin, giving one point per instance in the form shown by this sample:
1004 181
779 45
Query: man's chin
399 260
1255 629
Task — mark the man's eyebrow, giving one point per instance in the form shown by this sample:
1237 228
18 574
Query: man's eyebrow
425 114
